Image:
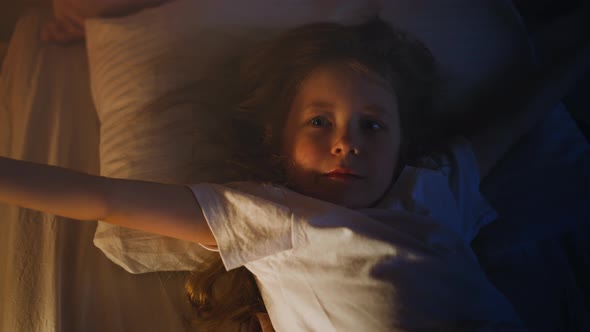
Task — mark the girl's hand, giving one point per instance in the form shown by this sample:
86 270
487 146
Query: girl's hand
67 26
64 32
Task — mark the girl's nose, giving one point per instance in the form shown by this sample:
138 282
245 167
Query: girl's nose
345 145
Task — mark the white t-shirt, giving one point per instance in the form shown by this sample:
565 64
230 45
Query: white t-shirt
403 264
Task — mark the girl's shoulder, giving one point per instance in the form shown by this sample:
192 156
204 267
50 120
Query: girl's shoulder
264 190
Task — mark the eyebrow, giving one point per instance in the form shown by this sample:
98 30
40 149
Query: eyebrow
373 108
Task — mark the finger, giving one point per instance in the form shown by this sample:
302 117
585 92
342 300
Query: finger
46 32
72 27
49 31
71 14
57 31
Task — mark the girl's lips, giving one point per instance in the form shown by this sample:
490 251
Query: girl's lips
342 174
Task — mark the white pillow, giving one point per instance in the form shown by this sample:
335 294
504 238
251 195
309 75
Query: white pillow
136 59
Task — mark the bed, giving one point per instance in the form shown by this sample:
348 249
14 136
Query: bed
65 105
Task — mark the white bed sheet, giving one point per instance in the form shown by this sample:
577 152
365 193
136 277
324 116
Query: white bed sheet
52 277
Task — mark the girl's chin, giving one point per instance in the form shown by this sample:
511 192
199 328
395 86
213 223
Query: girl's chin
345 192
351 200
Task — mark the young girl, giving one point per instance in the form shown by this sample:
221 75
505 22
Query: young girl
349 225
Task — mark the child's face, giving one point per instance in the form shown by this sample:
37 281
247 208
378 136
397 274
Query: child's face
342 121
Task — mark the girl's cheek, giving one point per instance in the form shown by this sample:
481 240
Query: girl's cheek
308 151
383 153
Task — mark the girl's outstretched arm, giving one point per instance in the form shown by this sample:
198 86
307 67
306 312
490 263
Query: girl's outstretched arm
491 143
165 209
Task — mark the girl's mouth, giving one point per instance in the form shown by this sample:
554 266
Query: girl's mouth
343 174
342 177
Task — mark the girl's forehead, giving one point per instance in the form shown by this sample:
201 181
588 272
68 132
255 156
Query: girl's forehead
349 71
330 84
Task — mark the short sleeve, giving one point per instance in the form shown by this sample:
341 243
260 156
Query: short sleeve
464 180
248 220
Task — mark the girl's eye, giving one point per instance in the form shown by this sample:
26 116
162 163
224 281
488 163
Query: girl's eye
372 125
319 121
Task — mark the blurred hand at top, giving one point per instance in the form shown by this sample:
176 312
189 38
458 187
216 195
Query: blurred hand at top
67 24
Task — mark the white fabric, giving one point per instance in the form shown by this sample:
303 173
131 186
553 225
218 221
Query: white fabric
450 195
134 60
405 264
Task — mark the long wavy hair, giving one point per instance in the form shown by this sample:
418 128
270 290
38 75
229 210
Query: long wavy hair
269 79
